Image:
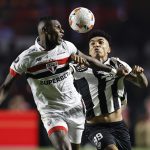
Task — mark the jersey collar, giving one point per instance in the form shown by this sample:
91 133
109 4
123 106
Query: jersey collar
106 60
38 46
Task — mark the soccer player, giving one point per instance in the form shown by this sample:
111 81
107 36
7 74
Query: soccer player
104 95
46 67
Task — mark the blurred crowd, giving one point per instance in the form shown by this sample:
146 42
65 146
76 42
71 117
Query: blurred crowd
127 21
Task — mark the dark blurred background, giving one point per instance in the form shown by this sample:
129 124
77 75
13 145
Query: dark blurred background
127 21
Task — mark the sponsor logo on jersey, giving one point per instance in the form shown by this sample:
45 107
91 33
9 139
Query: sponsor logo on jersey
61 53
106 75
52 66
102 72
55 80
81 68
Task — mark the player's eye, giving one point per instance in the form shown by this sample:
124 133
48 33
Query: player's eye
101 42
58 26
92 43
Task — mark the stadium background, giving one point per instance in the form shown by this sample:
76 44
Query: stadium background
127 21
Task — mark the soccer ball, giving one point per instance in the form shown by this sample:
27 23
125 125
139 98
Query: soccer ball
81 20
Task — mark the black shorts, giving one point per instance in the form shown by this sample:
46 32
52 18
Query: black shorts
103 134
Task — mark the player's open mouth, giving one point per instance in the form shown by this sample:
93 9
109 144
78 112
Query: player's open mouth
61 36
96 50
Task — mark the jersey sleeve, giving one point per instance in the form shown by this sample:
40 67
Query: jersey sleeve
78 71
125 65
71 48
19 65
72 68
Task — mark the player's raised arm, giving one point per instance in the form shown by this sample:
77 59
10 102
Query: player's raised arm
137 77
92 62
4 89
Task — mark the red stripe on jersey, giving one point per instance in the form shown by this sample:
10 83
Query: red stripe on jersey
43 66
57 128
62 61
13 73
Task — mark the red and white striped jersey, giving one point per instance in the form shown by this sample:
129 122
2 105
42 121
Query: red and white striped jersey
49 76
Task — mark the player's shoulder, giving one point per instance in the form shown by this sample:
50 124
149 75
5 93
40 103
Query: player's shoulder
25 55
68 43
70 47
116 59
28 51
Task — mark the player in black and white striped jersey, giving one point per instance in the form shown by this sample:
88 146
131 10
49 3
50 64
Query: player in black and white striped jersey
103 94
100 85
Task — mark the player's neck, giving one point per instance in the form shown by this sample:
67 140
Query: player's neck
103 59
47 45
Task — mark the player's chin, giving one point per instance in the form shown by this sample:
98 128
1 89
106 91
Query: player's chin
97 56
59 41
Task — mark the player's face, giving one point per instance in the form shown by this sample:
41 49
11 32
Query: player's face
55 32
99 48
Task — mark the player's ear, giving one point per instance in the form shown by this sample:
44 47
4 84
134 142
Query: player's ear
109 50
44 29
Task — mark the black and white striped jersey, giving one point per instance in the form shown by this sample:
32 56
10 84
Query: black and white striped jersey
102 92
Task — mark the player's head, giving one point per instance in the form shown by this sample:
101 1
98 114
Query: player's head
99 44
50 29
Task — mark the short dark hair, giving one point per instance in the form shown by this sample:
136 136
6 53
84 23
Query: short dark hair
46 19
101 33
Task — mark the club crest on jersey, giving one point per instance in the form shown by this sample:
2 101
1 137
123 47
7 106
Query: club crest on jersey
52 66
81 68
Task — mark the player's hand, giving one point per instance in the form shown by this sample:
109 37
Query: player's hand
1 95
122 71
137 69
78 59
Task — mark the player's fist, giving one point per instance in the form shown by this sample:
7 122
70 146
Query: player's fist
122 71
78 59
137 69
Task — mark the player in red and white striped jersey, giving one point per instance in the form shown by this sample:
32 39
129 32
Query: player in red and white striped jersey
46 66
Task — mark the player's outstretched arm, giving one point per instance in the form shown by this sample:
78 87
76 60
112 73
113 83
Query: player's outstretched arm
137 77
94 63
4 89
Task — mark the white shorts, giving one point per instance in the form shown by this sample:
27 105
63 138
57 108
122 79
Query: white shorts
71 121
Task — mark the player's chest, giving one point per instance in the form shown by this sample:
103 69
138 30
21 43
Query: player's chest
103 76
50 60
57 55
